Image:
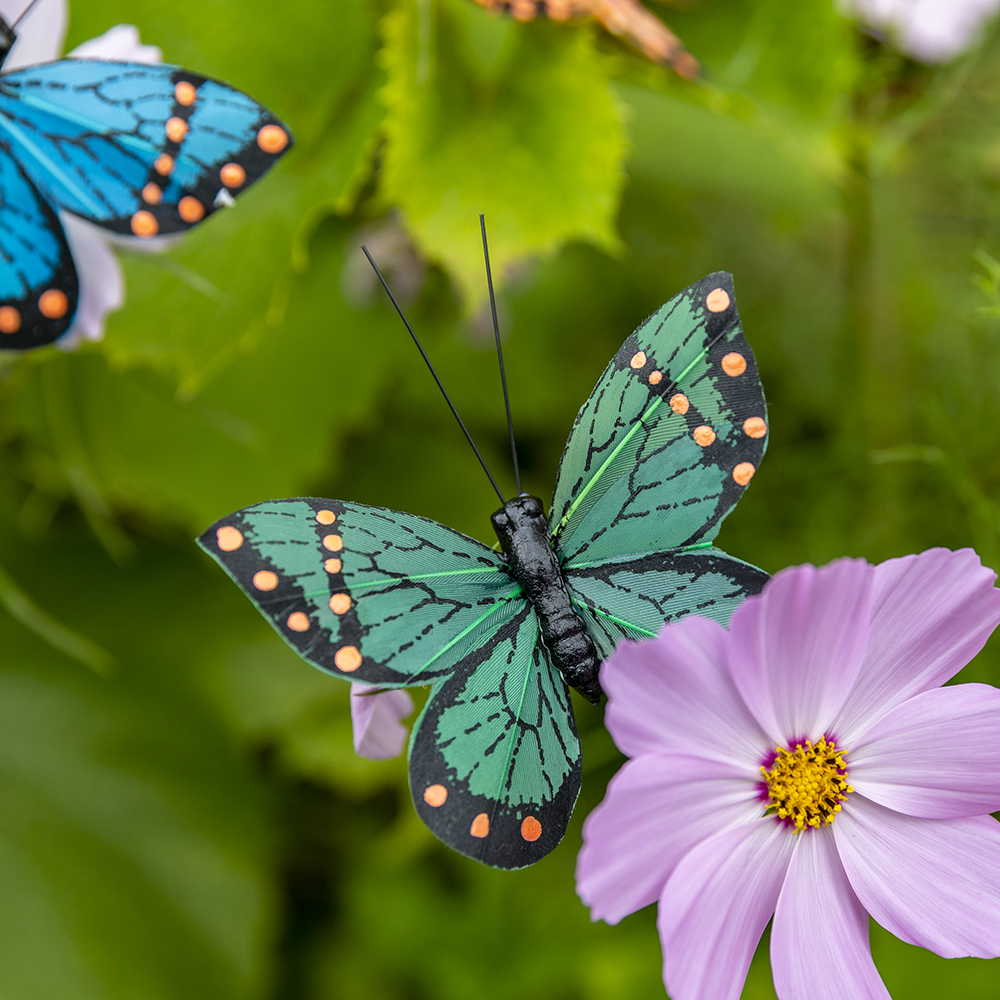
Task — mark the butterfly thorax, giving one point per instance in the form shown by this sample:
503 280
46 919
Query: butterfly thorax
7 39
523 531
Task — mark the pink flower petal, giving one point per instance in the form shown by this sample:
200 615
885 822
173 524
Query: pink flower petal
819 939
120 43
656 809
932 882
931 613
936 755
796 650
673 694
40 35
378 732
715 908
102 284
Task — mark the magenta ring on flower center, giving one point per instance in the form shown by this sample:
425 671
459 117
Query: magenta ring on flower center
805 785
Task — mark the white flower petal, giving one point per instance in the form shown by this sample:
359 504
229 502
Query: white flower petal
819 939
120 43
102 284
930 30
40 36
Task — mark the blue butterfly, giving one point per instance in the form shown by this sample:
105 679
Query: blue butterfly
140 150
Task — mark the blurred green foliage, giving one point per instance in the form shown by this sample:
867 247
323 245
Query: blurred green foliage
181 814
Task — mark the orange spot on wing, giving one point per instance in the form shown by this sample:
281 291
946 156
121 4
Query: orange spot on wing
265 580
326 516
10 319
679 403
435 795
190 209
531 829
743 473
332 565
638 360
229 539
480 826
754 427
655 378
734 364
164 164
717 300
333 542
176 129
340 604
185 93
232 175
298 622
703 435
144 223
152 194
53 303
272 139
348 659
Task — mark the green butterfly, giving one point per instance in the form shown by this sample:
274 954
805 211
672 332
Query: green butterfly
658 456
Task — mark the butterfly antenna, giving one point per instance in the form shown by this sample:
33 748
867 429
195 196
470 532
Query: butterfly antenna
427 361
496 333
23 14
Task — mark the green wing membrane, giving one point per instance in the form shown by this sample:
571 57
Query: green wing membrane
668 440
365 593
495 756
633 599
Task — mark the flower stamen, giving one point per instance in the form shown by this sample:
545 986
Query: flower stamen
807 785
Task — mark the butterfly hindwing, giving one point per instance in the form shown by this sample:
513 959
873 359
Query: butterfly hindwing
495 757
38 283
365 593
634 598
138 149
668 440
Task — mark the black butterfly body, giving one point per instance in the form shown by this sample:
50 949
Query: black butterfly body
659 454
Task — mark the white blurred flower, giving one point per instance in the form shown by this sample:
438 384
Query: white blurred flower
377 715
40 38
932 31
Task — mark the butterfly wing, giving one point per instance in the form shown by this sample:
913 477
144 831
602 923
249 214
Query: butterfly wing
364 593
634 598
38 283
495 756
668 440
138 149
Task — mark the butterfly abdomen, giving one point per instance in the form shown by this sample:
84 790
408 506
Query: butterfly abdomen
523 531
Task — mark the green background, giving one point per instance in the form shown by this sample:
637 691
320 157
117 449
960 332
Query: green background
181 813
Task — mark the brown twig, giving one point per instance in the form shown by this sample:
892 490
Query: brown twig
627 19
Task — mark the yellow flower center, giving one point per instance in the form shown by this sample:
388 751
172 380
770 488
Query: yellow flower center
806 785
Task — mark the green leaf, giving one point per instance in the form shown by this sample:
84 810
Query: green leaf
515 121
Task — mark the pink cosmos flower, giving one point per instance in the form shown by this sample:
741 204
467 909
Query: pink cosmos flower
40 38
807 764
376 716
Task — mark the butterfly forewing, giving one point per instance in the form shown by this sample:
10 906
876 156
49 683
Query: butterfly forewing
633 599
667 442
495 756
365 593
138 149
38 283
